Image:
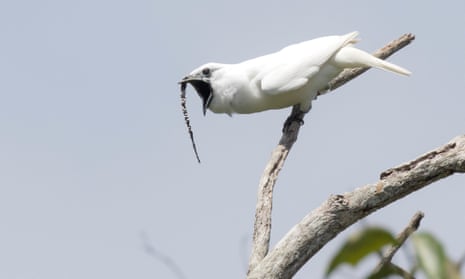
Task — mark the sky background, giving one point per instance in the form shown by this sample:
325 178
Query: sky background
94 152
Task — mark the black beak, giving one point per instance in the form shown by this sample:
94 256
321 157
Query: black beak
203 89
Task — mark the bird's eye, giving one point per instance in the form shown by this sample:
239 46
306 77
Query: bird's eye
206 72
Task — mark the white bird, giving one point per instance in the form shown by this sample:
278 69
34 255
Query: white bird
291 76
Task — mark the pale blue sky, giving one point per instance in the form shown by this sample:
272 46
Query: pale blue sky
94 149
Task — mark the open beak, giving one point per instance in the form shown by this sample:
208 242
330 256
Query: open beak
203 88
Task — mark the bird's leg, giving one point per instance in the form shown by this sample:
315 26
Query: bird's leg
297 115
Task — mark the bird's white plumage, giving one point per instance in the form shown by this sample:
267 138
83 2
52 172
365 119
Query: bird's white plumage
291 76
292 67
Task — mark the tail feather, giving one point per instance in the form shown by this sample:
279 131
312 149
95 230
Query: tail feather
350 57
384 65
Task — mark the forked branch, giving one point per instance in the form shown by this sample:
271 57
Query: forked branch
340 211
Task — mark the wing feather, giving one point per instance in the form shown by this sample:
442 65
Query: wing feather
292 67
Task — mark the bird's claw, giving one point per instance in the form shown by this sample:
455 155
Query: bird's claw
293 118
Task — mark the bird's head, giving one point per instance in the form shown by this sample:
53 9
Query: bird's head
201 79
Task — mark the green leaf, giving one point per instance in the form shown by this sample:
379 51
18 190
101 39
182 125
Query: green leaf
430 255
384 272
360 245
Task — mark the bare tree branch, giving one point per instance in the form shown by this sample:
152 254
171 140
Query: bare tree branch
159 256
340 211
411 228
402 272
262 226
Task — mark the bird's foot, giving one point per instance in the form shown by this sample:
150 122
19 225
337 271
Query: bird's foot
296 116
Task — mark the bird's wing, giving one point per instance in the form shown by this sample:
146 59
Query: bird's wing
292 67
290 76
